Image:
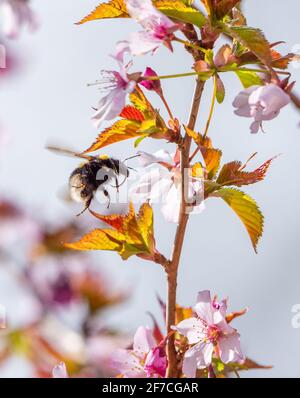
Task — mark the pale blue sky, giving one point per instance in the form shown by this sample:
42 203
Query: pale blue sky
50 101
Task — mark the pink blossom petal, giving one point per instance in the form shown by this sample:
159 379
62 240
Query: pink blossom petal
110 106
191 328
127 363
143 190
271 97
171 206
14 14
204 308
156 362
121 48
60 371
244 111
141 43
230 349
254 128
148 16
146 159
197 357
143 341
242 99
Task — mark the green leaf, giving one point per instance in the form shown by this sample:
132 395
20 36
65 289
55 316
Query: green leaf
182 12
139 140
253 39
220 90
246 209
249 79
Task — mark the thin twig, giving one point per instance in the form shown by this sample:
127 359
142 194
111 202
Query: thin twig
166 106
180 233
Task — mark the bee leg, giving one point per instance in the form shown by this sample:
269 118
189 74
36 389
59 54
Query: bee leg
105 193
87 205
117 184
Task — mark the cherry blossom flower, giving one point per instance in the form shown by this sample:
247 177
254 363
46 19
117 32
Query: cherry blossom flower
144 360
60 371
209 334
156 362
119 85
164 183
14 14
158 29
261 103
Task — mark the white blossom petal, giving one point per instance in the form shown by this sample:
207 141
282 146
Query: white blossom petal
146 159
191 328
143 340
60 371
230 348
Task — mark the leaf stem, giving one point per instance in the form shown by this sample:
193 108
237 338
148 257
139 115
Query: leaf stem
205 74
172 272
186 74
166 106
191 45
212 107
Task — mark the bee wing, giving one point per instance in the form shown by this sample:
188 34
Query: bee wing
68 152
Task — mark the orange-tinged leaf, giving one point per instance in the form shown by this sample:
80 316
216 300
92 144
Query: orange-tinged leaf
223 7
212 159
117 221
131 234
139 100
99 239
177 9
183 313
112 9
211 156
233 174
195 136
145 223
119 131
250 364
208 5
279 61
246 209
131 113
230 317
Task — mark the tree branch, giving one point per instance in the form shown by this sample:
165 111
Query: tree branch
180 233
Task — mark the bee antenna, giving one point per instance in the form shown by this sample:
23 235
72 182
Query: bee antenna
131 168
131 157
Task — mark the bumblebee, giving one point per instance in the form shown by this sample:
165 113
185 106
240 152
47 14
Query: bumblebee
95 173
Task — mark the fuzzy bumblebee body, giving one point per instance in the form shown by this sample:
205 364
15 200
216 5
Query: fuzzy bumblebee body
86 179
95 173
